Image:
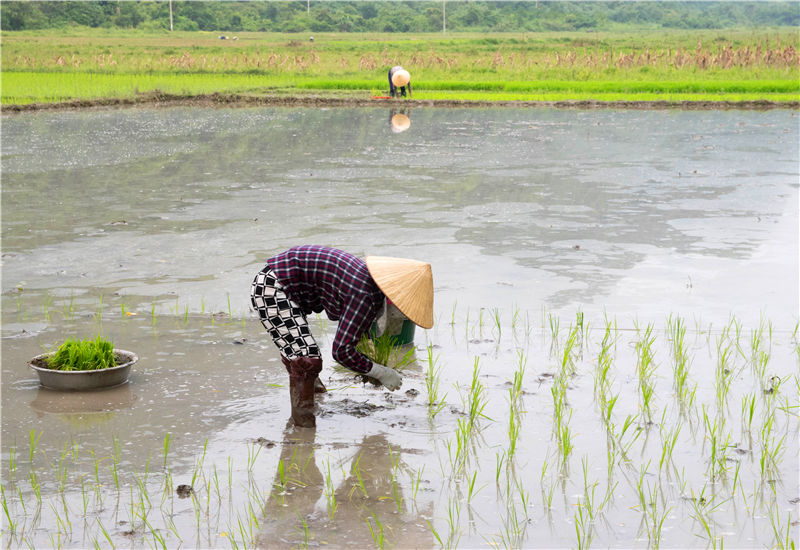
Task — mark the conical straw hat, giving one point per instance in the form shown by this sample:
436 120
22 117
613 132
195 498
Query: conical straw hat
407 283
401 78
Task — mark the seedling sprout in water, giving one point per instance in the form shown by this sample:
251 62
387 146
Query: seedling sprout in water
660 464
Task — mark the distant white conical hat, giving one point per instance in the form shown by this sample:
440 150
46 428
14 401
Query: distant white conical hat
401 77
407 283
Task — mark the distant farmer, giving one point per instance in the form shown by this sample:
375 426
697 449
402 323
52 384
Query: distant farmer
311 279
398 80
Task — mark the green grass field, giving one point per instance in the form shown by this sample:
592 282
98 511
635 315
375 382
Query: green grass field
648 66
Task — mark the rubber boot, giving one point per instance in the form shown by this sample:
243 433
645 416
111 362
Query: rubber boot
303 372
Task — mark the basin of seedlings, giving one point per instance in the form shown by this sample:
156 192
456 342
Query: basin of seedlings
83 365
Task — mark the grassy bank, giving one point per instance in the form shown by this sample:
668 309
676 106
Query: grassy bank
647 66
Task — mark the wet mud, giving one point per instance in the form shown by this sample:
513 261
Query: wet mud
158 99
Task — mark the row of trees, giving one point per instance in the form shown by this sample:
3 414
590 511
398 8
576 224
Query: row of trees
395 16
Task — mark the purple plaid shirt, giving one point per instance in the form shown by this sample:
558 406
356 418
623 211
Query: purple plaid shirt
319 278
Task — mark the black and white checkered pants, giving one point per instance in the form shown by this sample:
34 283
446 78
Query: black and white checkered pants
283 318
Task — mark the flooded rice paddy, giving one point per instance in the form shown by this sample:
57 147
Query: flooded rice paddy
615 360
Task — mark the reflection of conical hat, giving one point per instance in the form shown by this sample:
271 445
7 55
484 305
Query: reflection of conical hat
408 284
400 123
401 78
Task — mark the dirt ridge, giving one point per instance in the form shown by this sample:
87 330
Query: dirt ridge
160 99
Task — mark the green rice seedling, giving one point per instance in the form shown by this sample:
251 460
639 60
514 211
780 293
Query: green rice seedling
772 448
11 525
471 491
47 304
500 459
12 464
618 439
783 536
748 411
77 355
736 479
513 426
584 531
458 454
453 313
514 319
153 316
34 440
645 368
253 451
554 322
436 534
703 508
568 355
516 383
37 489
605 360
280 478
524 497
655 518
565 445
432 381
477 398
607 407
330 491
723 374
497 322
588 490
383 350
115 457
559 404
376 532
668 442
718 443
230 312
453 519
359 478
416 479
62 467
583 328
513 527
167 441
396 493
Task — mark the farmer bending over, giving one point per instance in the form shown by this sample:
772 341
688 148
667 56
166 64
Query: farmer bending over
399 78
311 279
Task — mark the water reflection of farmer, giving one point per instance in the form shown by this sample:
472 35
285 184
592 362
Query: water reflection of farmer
399 121
299 482
399 79
311 279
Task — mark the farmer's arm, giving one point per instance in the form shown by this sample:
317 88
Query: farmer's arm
353 324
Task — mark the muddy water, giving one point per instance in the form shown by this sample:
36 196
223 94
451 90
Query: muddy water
148 226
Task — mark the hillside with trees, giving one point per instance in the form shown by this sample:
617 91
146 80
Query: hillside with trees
395 16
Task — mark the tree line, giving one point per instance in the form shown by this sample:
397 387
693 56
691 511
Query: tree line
395 16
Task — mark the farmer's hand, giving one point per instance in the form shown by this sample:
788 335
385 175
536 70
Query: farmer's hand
388 377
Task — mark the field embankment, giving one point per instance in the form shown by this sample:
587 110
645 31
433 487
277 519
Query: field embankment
747 68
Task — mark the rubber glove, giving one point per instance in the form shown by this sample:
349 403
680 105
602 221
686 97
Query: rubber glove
390 378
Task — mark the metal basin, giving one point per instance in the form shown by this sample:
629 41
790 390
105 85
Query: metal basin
88 379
